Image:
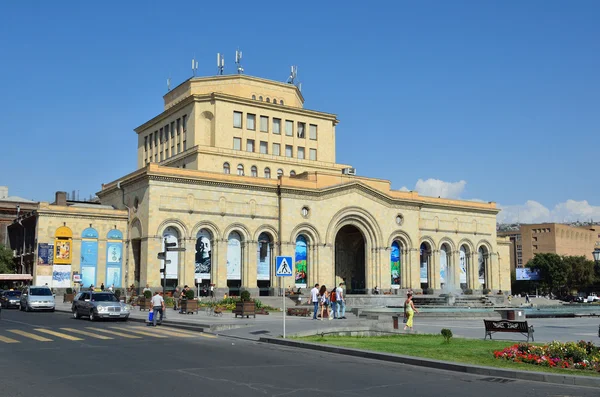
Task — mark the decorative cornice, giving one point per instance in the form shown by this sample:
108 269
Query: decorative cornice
454 231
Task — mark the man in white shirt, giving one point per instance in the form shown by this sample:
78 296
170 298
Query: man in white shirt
340 299
314 298
158 306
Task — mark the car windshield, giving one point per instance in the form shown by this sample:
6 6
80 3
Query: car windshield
40 292
104 298
13 293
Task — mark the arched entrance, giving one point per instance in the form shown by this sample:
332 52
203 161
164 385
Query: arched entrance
264 266
350 259
482 260
446 270
424 262
465 266
203 260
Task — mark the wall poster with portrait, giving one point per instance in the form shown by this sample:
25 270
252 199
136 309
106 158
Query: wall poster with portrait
62 251
300 262
203 255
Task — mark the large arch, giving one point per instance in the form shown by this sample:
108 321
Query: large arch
173 222
399 246
350 258
466 250
265 269
237 227
426 249
235 260
360 217
307 229
265 228
211 226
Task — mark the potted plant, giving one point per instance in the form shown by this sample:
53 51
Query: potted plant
245 306
145 302
68 296
188 303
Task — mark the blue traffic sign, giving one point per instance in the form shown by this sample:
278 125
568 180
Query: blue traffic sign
284 266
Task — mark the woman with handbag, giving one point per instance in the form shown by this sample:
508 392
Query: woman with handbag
409 311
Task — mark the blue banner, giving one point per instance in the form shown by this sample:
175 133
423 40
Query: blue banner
527 274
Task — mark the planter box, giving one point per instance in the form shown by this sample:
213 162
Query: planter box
144 304
189 306
68 298
245 309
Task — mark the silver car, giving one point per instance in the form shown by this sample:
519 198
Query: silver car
37 298
96 305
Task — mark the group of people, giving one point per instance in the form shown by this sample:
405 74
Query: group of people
331 303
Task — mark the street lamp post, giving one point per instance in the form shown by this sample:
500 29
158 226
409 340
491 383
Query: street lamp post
20 222
596 254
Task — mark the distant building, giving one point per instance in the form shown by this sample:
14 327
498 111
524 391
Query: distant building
556 238
9 207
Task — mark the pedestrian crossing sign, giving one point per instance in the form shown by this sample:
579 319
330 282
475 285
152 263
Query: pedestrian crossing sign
284 266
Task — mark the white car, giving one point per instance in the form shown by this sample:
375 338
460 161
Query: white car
37 298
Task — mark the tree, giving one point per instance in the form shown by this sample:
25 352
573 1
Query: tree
582 272
554 272
7 264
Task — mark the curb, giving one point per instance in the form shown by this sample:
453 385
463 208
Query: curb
571 380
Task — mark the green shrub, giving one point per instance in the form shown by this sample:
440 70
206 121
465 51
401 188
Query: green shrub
447 334
428 291
468 291
169 302
148 294
486 291
245 296
69 290
189 294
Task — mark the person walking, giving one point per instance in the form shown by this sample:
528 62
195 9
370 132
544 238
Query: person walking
102 287
314 298
158 306
409 311
333 300
340 298
323 295
176 295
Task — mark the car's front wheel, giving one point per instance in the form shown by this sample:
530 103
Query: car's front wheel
76 314
92 318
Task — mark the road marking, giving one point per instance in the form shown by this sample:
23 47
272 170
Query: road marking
57 334
90 334
28 335
8 340
165 332
145 333
114 333
586 334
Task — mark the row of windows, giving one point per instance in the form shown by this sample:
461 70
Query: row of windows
254 171
157 142
267 99
275 125
263 148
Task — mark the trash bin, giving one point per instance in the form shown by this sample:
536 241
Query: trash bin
395 318
510 315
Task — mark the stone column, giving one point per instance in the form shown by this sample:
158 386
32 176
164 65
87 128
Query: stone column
219 271
187 263
415 273
154 245
455 270
434 271
250 267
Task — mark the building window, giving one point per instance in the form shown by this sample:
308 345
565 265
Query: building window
312 131
301 130
292 173
237 144
161 136
289 128
276 126
300 153
178 148
172 129
167 153
268 173
289 152
260 98
146 143
279 173
184 145
264 147
155 138
535 247
251 121
254 97
237 120
178 126
167 132
281 102
276 149
312 153
161 156
240 170
264 124
226 168
250 145
184 122
254 171
150 141
156 158
275 101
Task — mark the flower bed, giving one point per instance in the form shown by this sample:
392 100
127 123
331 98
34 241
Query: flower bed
576 355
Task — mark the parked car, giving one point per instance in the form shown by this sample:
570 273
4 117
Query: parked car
10 299
37 298
97 305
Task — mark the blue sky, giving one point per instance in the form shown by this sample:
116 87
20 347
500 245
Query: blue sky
489 100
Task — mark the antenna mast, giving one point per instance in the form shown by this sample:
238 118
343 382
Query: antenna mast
220 63
194 66
168 84
293 76
238 61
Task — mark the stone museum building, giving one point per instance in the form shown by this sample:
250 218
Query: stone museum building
235 171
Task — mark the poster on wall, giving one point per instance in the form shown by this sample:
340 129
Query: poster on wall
203 255
526 273
114 253
61 276
234 257
443 266
463 266
423 272
395 265
300 263
88 276
62 251
45 254
264 261
89 253
171 236
113 277
481 267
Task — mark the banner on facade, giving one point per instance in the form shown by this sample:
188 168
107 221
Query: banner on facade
45 254
113 277
395 265
114 253
61 276
234 258
203 255
62 251
443 266
527 274
463 266
300 263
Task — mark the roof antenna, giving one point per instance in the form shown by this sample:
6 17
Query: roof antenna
238 61
220 63
168 84
293 76
194 66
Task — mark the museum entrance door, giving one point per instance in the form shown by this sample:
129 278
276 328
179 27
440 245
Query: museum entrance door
350 259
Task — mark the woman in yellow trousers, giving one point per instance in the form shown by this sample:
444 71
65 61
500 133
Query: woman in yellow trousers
409 311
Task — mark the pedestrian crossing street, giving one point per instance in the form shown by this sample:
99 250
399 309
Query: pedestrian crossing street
9 336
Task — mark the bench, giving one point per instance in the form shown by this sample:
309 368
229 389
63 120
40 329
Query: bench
520 327
305 312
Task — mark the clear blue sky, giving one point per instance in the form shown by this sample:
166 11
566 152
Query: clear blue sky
504 95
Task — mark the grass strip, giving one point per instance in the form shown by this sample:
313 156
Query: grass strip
460 350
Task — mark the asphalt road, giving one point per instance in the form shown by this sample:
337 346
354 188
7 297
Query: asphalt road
51 354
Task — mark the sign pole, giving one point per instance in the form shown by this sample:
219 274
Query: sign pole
164 277
283 269
281 281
